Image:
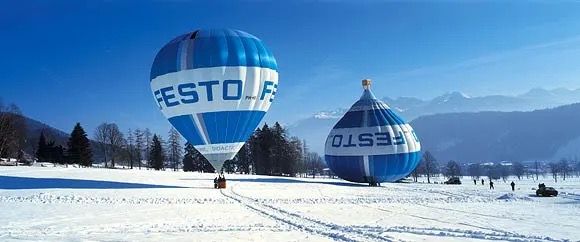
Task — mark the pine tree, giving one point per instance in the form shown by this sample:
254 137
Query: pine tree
156 153
292 157
58 155
130 148
229 166
173 148
147 147
254 152
139 147
242 159
79 147
262 151
163 152
200 163
41 151
278 148
188 157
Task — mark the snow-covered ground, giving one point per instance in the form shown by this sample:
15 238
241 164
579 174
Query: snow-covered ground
57 203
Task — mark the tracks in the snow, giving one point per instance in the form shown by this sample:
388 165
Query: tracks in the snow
458 233
330 230
366 233
490 234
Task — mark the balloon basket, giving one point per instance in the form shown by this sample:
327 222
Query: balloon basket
221 185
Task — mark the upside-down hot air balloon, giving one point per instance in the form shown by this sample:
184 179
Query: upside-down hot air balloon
371 144
214 87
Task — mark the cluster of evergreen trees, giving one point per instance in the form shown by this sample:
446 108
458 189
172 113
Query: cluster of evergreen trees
78 150
273 153
194 161
268 152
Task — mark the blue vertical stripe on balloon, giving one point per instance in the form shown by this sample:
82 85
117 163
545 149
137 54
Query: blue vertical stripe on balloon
246 126
262 54
373 119
237 53
165 61
350 168
352 119
394 167
252 58
383 117
388 117
226 126
222 49
186 127
255 117
398 119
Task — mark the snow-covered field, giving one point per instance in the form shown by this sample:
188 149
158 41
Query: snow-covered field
56 204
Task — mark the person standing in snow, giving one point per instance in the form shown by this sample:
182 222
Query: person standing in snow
491 185
513 186
474 182
482 182
215 182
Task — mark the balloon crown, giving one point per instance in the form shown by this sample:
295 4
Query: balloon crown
366 83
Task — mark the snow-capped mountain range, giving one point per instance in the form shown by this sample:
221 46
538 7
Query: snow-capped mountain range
315 128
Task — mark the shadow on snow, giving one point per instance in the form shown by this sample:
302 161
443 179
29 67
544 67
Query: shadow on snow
15 183
290 180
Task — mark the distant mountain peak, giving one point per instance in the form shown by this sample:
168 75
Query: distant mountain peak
457 94
333 114
451 97
538 92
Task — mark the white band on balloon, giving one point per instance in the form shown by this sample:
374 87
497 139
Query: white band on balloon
379 140
219 148
259 86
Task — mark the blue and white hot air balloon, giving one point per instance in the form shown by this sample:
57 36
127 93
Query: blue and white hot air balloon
214 87
371 144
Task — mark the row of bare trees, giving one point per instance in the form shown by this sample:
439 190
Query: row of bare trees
428 167
134 147
110 141
562 169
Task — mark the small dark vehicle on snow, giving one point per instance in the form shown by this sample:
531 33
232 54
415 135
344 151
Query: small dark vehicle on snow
453 180
544 191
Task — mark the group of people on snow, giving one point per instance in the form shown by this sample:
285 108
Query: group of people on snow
512 184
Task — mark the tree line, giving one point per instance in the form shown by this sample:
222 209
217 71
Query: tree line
269 151
429 167
137 148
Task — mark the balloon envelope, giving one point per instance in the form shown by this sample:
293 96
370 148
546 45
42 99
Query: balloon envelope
214 87
370 143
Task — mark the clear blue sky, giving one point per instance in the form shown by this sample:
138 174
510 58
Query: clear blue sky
69 61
